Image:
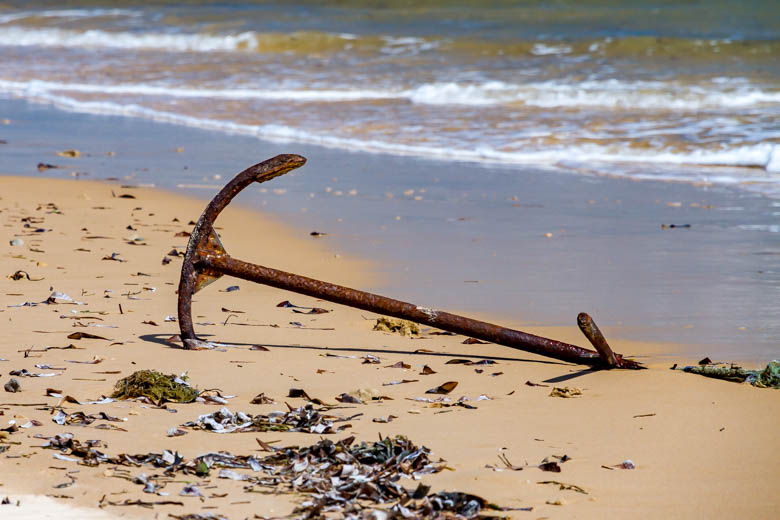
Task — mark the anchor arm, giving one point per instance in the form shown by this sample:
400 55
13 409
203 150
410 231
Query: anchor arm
203 238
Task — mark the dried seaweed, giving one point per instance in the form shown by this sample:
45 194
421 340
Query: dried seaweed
769 377
305 419
402 327
565 392
156 386
342 478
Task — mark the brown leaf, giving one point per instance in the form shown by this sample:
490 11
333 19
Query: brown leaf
474 341
529 383
298 392
550 466
182 234
458 362
427 371
149 322
444 388
313 310
261 398
259 347
264 445
86 335
400 364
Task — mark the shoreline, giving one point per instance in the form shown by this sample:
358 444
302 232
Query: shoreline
708 287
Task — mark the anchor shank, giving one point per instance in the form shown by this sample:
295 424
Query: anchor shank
399 309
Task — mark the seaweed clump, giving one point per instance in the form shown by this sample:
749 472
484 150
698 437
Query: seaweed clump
769 377
155 386
402 327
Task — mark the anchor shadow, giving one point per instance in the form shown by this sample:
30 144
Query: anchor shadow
161 339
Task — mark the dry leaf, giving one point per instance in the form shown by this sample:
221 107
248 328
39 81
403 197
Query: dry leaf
458 362
427 371
444 388
400 364
86 335
261 398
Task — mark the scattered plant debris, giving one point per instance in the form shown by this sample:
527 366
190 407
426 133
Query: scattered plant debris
769 377
444 388
305 419
156 386
402 327
565 391
12 386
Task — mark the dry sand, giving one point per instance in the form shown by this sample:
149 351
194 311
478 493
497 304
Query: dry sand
702 448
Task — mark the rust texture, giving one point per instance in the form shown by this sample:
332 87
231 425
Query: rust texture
596 338
206 260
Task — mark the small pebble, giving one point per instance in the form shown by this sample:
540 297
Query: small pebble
13 386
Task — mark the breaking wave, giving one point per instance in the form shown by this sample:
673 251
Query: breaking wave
762 155
610 94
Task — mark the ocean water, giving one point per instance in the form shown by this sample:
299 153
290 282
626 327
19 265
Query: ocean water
614 87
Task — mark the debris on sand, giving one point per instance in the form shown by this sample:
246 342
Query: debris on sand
305 419
346 479
769 377
156 386
566 392
402 327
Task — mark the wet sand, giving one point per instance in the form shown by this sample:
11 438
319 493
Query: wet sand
520 243
702 448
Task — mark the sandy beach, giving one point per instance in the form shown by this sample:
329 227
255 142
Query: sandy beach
700 447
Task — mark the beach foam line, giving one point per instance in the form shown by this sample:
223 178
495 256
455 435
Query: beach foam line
761 155
97 38
141 89
67 14
589 94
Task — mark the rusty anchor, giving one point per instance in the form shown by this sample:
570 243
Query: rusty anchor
206 260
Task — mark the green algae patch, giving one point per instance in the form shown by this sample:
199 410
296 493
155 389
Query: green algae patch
769 377
156 386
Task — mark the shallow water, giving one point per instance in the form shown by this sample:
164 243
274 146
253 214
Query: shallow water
477 243
598 86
